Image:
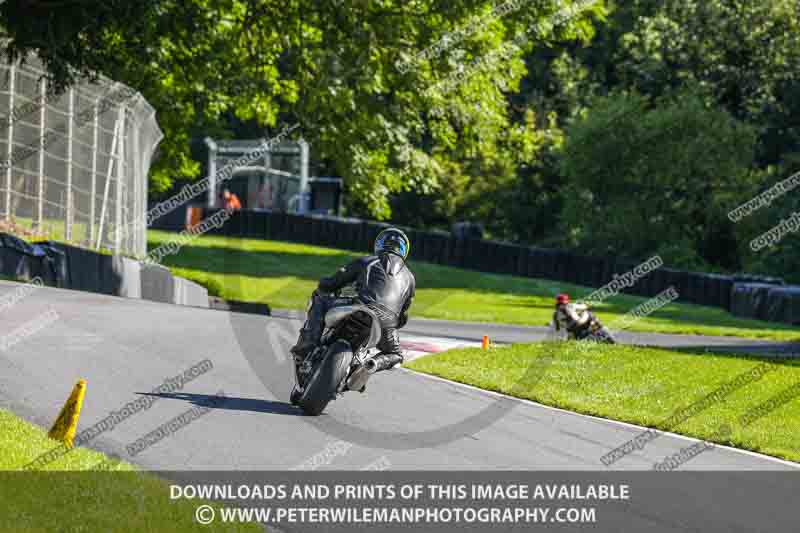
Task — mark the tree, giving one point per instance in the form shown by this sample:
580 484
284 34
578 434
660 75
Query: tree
646 176
329 67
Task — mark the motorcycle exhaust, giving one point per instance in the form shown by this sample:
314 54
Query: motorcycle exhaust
371 365
358 379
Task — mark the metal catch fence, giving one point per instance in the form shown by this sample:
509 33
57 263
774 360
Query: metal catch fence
74 165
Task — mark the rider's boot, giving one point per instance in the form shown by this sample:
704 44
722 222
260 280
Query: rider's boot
312 330
307 340
390 353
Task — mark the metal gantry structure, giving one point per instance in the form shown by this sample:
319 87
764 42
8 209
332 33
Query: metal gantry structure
278 180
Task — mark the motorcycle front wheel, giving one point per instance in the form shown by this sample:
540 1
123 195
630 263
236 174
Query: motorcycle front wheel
324 383
604 336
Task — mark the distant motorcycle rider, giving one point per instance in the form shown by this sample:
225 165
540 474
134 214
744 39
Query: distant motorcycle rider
383 282
573 317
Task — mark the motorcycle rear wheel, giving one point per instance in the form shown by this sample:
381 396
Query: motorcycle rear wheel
324 383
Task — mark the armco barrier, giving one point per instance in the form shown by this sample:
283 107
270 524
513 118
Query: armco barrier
130 276
158 284
235 306
185 292
506 258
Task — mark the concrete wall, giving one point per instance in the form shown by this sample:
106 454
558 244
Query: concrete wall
70 267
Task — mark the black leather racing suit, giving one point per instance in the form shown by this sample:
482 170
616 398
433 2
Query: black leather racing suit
384 283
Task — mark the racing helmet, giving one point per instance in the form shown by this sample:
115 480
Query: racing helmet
392 241
562 299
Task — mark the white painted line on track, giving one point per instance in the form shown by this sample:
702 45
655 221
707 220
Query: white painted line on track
428 345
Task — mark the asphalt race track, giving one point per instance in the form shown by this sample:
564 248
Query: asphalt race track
125 348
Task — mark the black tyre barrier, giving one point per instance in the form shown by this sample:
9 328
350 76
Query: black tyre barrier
53 269
352 236
548 264
749 300
696 288
783 305
64 266
174 220
238 223
480 256
505 258
753 278
560 269
419 246
251 224
713 287
372 230
483 255
522 259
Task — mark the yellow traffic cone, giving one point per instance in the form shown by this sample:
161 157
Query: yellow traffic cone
67 422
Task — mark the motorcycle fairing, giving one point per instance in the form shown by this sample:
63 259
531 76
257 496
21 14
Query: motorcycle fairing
339 313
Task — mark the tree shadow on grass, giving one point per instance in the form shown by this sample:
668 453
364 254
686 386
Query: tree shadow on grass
306 266
784 353
311 267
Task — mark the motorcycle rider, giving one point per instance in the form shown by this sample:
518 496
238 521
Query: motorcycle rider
383 282
573 317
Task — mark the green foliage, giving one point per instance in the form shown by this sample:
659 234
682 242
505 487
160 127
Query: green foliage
744 54
644 177
490 148
332 69
782 259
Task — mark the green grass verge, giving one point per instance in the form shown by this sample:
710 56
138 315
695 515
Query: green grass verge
84 491
643 386
284 275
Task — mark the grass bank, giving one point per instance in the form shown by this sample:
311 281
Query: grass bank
284 275
84 490
644 386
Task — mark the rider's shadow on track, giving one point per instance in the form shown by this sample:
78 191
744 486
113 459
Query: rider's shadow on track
214 401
